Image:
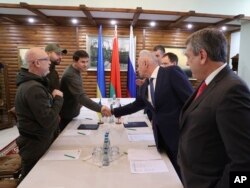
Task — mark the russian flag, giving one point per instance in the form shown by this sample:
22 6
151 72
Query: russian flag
131 75
100 91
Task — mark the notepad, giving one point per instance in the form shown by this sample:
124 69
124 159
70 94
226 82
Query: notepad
135 124
88 126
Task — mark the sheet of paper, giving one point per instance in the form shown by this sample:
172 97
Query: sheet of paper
135 118
62 155
149 166
143 154
73 132
140 130
140 137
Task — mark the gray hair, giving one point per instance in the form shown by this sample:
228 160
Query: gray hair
150 55
212 41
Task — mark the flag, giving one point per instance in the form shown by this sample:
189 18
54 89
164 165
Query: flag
115 81
131 75
100 91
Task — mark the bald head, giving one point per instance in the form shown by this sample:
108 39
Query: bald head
38 61
147 62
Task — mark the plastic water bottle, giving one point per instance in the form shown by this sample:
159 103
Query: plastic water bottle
106 147
99 114
114 99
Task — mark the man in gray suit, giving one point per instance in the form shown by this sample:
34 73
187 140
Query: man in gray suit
215 123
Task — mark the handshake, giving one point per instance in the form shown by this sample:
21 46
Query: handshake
105 111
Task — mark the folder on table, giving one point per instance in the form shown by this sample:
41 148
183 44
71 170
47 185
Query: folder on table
88 126
135 124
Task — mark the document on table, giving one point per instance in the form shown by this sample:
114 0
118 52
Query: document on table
140 137
146 161
73 132
143 154
148 166
62 155
140 130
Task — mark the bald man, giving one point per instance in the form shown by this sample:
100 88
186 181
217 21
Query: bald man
37 110
171 90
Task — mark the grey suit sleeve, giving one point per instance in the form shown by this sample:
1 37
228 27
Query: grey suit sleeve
233 120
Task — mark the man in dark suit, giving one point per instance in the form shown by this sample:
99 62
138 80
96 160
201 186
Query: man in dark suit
172 89
215 123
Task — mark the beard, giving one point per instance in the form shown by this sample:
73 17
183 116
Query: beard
56 62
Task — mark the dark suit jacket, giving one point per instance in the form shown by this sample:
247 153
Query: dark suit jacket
172 89
215 133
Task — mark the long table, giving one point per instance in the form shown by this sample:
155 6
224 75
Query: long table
82 172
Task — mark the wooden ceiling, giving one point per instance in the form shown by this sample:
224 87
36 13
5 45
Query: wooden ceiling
140 18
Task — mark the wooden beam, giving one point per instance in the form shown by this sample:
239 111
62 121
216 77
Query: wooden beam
222 22
181 19
88 15
136 16
9 19
38 13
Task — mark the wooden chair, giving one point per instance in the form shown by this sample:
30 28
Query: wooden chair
10 169
8 183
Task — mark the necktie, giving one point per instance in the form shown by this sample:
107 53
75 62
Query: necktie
201 89
152 90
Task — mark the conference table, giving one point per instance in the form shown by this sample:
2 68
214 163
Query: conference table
69 162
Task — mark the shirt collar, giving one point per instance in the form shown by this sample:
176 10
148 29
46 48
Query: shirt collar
155 72
214 73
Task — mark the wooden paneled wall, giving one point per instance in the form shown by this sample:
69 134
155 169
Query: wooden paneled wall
13 37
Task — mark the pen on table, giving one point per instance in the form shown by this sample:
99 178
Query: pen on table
151 145
66 155
132 129
81 133
89 118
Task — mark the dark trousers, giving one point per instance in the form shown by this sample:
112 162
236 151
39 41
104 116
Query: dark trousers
63 123
26 168
173 158
172 154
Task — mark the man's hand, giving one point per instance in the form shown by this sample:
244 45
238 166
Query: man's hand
57 92
105 111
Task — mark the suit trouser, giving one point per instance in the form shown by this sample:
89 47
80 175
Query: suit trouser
173 158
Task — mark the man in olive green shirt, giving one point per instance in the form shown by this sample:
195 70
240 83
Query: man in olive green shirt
74 94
